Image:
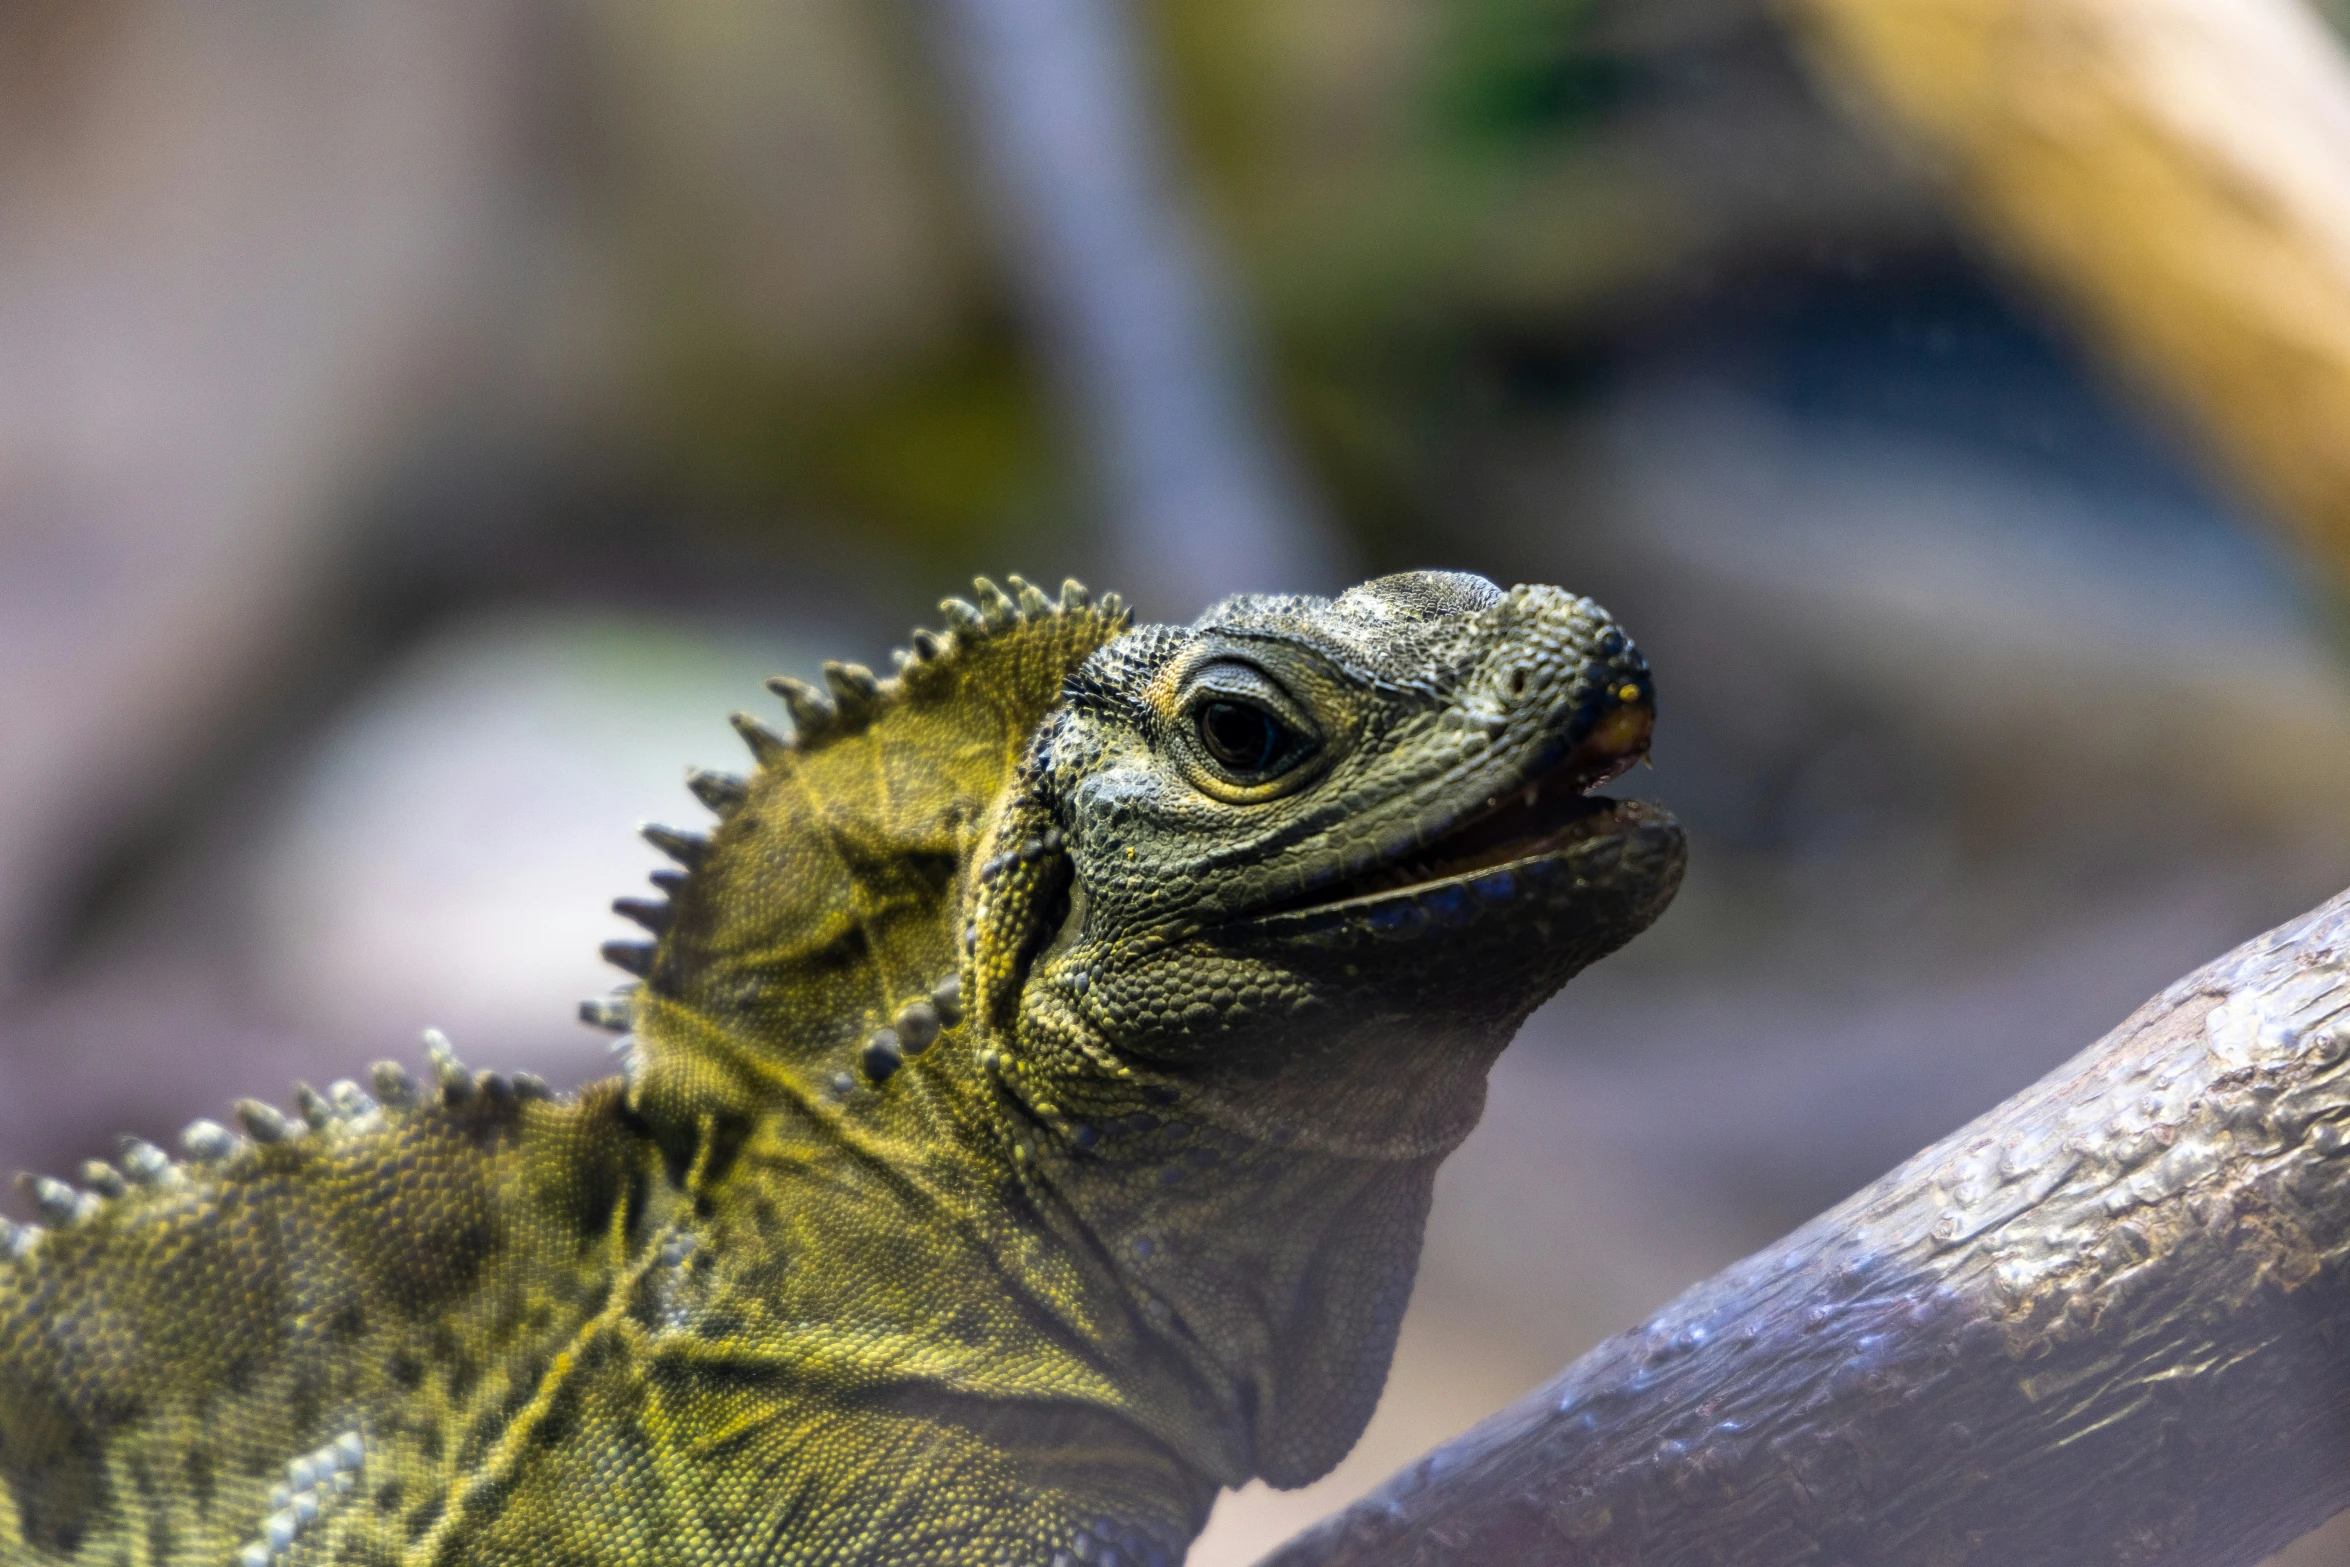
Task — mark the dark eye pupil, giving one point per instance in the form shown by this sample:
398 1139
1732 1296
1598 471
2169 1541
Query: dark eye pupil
1244 738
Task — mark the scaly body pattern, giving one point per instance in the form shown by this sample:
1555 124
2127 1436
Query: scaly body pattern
1033 1087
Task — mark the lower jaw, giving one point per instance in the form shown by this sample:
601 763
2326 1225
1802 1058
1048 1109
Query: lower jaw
1563 868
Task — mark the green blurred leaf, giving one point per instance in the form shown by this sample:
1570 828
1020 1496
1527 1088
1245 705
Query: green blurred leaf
1516 72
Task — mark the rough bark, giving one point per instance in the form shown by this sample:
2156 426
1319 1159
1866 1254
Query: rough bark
2177 171
2108 1322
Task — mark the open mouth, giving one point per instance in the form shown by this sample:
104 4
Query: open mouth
1538 821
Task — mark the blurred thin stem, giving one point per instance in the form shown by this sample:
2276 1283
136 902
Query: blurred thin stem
1142 336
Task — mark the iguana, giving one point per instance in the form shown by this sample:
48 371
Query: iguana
1033 1088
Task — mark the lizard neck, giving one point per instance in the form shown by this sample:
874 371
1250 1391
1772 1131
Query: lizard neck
889 1255
1212 1255
1260 1210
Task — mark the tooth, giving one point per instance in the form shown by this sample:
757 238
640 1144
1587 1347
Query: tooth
1533 794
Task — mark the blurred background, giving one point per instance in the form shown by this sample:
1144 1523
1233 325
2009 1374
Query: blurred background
421 424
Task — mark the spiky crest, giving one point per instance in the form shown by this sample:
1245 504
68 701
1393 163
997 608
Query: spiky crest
814 929
344 1110
814 932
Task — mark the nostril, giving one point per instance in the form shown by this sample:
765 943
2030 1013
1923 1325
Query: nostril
1518 679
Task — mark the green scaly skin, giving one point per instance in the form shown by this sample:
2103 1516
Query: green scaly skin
1031 1107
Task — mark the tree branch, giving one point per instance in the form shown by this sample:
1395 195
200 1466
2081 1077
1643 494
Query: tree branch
2109 1322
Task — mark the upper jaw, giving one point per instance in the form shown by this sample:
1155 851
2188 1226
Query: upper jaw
1487 850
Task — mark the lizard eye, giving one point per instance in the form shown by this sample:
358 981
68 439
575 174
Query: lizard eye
1247 739
1244 737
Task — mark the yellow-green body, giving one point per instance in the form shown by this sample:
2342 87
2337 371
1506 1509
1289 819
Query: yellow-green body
959 1205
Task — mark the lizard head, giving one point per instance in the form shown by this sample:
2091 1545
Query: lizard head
1315 860
1264 900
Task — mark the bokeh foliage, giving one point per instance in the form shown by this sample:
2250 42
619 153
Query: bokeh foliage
1394 184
